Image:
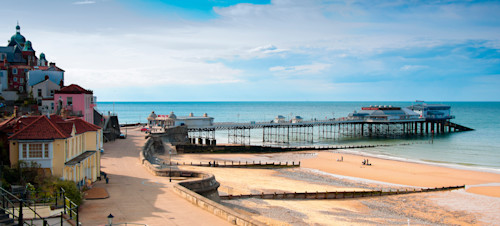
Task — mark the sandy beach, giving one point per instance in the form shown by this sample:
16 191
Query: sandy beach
320 171
404 173
479 204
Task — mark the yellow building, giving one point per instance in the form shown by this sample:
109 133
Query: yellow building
68 149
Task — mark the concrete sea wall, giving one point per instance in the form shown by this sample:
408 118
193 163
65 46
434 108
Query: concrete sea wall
200 189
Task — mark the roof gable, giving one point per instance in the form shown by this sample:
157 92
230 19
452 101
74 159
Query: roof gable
47 81
76 89
82 126
40 129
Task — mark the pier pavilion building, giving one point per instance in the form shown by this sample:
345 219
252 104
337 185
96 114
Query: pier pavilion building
383 113
191 121
432 111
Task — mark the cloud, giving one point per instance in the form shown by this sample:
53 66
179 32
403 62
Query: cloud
301 69
413 67
85 2
263 51
348 42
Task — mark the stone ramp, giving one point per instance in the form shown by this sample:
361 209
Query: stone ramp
96 193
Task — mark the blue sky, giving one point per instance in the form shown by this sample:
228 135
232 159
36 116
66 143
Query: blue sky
223 50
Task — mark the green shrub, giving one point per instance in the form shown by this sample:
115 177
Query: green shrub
72 191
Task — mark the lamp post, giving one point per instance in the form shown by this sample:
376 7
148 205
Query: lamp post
110 219
170 164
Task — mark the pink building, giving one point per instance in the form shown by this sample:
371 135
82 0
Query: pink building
74 100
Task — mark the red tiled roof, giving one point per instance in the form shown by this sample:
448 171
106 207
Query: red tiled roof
26 120
40 129
56 118
65 127
73 89
82 126
45 128
6 123
14 124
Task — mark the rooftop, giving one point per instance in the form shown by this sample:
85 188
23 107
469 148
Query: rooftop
45 128
73 89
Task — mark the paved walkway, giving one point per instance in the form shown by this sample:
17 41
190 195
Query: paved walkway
136 196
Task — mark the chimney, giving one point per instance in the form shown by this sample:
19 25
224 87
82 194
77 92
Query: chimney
16 112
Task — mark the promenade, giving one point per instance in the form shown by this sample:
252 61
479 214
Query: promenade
136 196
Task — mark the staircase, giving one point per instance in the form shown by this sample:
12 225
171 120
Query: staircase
456 127
5 219
11 210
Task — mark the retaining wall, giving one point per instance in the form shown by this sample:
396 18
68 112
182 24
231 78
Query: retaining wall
200 191
214 207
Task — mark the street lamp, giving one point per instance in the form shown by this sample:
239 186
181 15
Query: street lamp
110 219
170 163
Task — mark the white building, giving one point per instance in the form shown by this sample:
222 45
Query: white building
432 111
191 121
384 113
297 119
43 92
279 119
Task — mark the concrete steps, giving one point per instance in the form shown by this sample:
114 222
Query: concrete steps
5 220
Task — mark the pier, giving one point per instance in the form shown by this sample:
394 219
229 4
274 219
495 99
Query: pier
311 131
373 121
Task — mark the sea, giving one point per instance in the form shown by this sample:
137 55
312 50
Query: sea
476 150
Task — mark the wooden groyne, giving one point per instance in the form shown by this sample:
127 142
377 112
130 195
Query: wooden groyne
240 164
200 148
337 194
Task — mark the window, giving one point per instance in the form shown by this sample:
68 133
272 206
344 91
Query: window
69 101
52 106
39 92
14 71
46 151
15 79
21 80
25 151
52 93
35 150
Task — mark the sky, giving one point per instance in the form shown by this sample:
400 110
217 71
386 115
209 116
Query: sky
267 50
